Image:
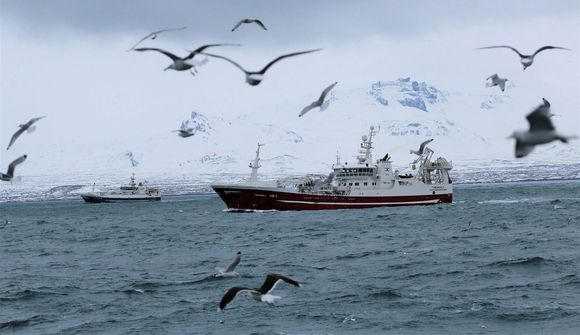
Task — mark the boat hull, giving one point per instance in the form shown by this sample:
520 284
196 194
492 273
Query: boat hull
248 198
101 199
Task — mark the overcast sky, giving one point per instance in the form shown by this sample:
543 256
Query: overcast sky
68 59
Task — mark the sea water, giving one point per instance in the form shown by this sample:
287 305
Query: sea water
501 259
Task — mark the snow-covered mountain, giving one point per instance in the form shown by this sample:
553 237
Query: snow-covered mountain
404 111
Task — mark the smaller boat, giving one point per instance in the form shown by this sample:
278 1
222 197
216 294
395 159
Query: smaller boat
130 192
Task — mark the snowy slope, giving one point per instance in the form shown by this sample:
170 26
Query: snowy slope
404 111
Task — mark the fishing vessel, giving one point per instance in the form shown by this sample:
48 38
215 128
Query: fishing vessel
366 184
129 192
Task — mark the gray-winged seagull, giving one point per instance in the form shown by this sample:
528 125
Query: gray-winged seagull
154 34
183 64
229 271
10 172
541 131
421 148
526 60
260 294
319 102
255 77
496 81
24 127
256 21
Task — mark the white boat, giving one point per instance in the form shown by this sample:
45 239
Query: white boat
130 192
369 183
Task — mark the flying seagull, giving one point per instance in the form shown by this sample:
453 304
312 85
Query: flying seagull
496 81
256 21
541 131
259 294
421 148
154 34
255 77
185 63
186 132
320 101
230 269
24 127
10 173
526 60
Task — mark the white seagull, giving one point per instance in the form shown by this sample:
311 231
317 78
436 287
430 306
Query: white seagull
526 60
24 127
229 272
421 148
256 21
185 63
255 77
260 294
10 172
541 131
186 132
496 81
320 102
154 34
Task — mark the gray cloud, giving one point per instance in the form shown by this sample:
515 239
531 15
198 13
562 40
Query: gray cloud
288 21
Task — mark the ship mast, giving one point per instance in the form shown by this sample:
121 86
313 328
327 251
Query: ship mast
366 155
255 165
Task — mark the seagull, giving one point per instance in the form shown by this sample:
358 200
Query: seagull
10 173
5 224
153 35
541 131
186 132
526 60
421 148
320 102
255 77
182 64
259 294
496 81
256 21
230 269
24 127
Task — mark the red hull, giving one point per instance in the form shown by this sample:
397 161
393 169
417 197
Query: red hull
265 199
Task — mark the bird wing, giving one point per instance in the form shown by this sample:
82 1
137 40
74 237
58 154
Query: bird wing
234 263
546 48
271 281
258 22
237 25
231 294
15 136
33 120
155 33
504 46
168 29
226 59
492 77
309 107
522 149
166 53
141 40
539 118
285 56
422 146
203 47
326 91
12 165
